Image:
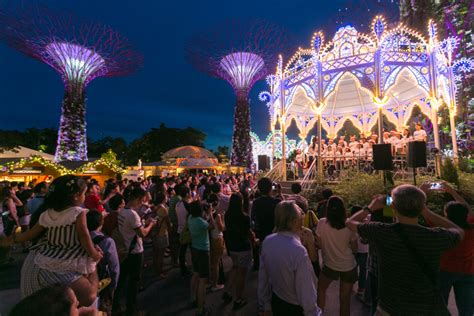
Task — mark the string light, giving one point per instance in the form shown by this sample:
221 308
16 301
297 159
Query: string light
404 55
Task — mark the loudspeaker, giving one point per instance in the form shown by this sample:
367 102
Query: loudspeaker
263 162
416 155
383 157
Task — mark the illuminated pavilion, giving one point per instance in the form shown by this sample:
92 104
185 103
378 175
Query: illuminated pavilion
363 77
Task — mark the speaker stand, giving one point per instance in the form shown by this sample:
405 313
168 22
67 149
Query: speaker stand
414 176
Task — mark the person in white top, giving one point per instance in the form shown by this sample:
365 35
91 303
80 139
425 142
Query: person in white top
348 157
374 139
361 258
339 158
331 144
338 244
386 138
419 135
342 141
406 137
353 143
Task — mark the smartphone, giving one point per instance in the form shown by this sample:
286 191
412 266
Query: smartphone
273 187
435 186
388 200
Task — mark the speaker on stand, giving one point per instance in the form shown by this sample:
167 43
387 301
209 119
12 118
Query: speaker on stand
416 156
263 162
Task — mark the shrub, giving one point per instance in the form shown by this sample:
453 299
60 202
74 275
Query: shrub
359 188
449 172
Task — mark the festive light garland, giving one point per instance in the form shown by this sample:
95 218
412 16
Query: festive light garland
108 160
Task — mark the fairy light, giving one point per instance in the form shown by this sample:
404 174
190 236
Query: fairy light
348 49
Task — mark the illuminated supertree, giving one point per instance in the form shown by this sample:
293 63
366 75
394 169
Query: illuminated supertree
80 52
240 52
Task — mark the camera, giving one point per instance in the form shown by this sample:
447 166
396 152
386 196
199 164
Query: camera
388 200
435 186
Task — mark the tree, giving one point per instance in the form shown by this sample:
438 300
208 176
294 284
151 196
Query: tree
151 145
222 153
34 138
101 146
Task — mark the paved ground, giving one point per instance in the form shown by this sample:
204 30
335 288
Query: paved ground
170 296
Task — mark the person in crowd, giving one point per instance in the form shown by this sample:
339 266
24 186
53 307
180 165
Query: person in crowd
174 235
338 245
263 209
457 264
39 191
419 134
160 235
286 280
93 201
296 196
109 266
199 229
60 258
361 258
57 300
116 203
216 242
110 190
10 202
408 254
223 200
321 207
182 214
132 231
238 237
308 241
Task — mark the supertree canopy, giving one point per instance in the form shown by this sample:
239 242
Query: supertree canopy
79 51
240 52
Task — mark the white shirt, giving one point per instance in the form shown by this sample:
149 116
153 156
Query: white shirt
336 246
285 269
128 221
353 145
419 135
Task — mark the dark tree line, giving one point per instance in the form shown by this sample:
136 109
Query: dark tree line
148 147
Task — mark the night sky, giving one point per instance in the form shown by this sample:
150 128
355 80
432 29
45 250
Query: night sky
167 89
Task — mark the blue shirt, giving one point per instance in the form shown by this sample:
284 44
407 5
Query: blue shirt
35 203
199 229
107 245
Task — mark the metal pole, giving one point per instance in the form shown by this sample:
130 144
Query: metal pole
453 134
380 124
320 160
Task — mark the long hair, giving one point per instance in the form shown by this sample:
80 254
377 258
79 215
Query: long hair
236 206
61 192
336 212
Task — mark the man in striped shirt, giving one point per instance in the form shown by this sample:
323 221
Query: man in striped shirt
408 254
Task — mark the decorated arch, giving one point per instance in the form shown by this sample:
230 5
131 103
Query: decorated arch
363 77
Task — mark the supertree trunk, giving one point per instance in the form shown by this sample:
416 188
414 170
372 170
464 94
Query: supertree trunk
72 140
241 143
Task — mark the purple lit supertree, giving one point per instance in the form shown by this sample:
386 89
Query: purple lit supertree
79 51
240 52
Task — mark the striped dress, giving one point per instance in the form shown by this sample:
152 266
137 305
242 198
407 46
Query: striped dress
61 250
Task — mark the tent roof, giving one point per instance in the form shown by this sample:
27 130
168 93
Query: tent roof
188 152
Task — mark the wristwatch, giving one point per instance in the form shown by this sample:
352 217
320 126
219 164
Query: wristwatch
367 208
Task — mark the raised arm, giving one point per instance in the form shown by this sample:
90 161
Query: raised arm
440 221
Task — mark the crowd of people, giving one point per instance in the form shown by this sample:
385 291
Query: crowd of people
86 245
338 153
